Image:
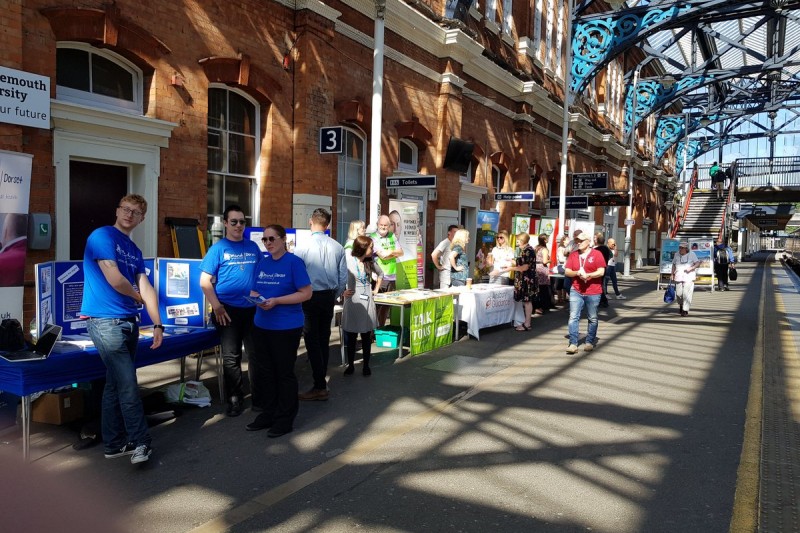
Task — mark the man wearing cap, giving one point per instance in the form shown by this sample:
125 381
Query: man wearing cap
586 267
684 272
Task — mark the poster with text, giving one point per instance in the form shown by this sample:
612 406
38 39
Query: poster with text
15 178
431 324
548 227
404 217
488 226
703 249
520 224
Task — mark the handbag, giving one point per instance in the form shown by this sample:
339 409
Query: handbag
732 274
669 294
11 335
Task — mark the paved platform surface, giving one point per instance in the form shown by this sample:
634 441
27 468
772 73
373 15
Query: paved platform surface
661 428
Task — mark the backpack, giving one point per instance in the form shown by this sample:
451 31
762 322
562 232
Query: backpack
721 256
11 336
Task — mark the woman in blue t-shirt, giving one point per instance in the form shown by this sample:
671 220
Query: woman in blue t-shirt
281 284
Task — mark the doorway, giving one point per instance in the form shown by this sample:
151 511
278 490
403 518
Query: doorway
95 190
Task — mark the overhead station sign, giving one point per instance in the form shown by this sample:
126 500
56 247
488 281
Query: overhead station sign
427 182
24 98
514 196
589 181
571 202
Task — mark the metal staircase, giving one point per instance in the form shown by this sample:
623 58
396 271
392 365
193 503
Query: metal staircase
705 216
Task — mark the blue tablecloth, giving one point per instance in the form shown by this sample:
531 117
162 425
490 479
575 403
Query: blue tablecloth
61 369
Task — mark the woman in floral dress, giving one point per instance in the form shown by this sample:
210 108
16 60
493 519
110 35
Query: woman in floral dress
525 280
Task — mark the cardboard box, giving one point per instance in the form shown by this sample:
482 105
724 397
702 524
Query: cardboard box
58 407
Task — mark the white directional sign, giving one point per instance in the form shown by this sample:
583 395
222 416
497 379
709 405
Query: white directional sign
588 181
630 222
514 196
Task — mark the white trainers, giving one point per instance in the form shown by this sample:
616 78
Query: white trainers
588 347
621 297
572 349
141 454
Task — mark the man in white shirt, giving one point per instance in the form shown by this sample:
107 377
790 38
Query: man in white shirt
684 272
441 257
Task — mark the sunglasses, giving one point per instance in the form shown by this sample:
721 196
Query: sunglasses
237 221
501 238
269 239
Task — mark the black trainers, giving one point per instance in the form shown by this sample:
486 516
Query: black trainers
141 454
235 407
128 449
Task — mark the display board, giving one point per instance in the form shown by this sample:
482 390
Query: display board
404 217
14 203
485 240
59 295
181 301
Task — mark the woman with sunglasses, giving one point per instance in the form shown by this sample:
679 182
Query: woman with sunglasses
280 285
359 316
500 258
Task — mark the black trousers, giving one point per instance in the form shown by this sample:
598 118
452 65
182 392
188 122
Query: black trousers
317 333
721 272
276 353
231 338
350 345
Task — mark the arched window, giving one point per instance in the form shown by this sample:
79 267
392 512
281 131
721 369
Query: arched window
97 78
408 159
233 131
351 183
497 178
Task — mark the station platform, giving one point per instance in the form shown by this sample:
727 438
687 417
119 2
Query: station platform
671 424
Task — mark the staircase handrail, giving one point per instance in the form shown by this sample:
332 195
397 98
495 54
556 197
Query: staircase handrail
680 215
728 201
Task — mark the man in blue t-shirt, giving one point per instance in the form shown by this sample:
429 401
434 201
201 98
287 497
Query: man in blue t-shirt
115 285
226 279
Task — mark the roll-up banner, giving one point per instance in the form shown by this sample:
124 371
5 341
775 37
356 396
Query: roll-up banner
404 217
15 186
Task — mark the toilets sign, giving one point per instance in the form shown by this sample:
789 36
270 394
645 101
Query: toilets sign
24 98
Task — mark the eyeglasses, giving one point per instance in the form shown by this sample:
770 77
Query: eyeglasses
271 238
235 221
501 238
131 212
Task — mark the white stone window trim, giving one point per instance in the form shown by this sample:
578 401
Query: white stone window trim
410 166
68 94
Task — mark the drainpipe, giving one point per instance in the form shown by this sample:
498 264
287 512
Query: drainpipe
377 115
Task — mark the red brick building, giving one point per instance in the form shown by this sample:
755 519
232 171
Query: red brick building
196 105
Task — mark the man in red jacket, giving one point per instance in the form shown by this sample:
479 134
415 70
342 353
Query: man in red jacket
586 267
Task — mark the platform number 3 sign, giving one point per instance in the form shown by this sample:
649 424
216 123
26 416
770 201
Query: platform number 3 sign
331 140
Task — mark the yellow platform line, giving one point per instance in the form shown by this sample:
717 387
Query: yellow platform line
744 518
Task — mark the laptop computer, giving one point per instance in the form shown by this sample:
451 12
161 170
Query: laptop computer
44 346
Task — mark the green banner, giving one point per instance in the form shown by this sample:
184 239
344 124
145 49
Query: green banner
431 324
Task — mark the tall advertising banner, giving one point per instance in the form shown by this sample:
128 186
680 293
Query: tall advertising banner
404 218
548 227
15 187
519 224
488 222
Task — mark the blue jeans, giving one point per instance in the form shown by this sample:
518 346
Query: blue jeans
123 419
576 303
611 275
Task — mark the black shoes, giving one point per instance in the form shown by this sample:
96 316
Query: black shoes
278 432
261 422
366 371
349 370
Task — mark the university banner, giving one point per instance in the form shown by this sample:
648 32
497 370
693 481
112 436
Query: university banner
15 186
488 222
404 217
431 324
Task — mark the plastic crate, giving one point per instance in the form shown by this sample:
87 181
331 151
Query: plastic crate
387 336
